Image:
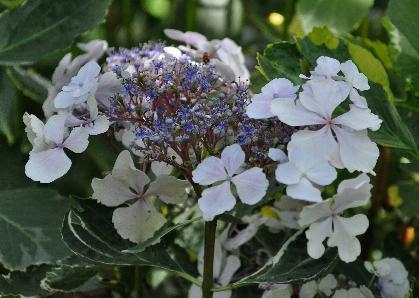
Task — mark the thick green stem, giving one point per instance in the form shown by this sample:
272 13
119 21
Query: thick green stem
208 278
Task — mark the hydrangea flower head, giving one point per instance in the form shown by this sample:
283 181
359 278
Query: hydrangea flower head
251 184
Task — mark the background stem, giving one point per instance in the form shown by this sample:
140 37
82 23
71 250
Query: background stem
138 282
208 278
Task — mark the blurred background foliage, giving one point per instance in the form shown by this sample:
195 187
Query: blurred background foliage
368 25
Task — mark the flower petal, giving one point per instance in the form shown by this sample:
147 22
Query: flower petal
293 113
108 85
327 284
353 76
343 237
287 173
231 265
357 99
112 190
316 234
210 170
352 193
35 132
78 140
280 88
47 166
304 190
233 157
260 107
161 168
357 151
322 96
312 213
54 129
137 222
308 290
326 66
251 185
277 154
64 100
359 119
169 189
216 200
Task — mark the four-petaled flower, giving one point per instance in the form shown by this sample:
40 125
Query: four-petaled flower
325 221
315 106
136 219
251 185
47 160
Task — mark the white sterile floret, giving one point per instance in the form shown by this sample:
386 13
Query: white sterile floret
277 154
251 184
260 107
392 276
353 149
278 291
326 67
80 87
325 286
325 221
361 292
47 160
225 266
137 219
68 68
301 171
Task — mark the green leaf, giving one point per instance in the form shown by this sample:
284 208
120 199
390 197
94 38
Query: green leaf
71 278
8 107
30 83
292 264
30 227
393 131
12 172
26 283
280 59
89 232
40 27
340 16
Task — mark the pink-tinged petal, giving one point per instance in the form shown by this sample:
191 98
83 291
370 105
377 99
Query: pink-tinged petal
137 222
304 190
277 154
316 234
353 76
313 213
260 107
210 170
320 143
54 129
357 99
326 66
293 113
322 96
216 200
343 237
64 100
47 166
251 185
233 157
359 119
280 88
357 151
287 173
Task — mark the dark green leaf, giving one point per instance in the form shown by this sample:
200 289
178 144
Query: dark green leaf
26 283
40 27
12 172
30 83
30 227
408 193
8 106
278 60
393 131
